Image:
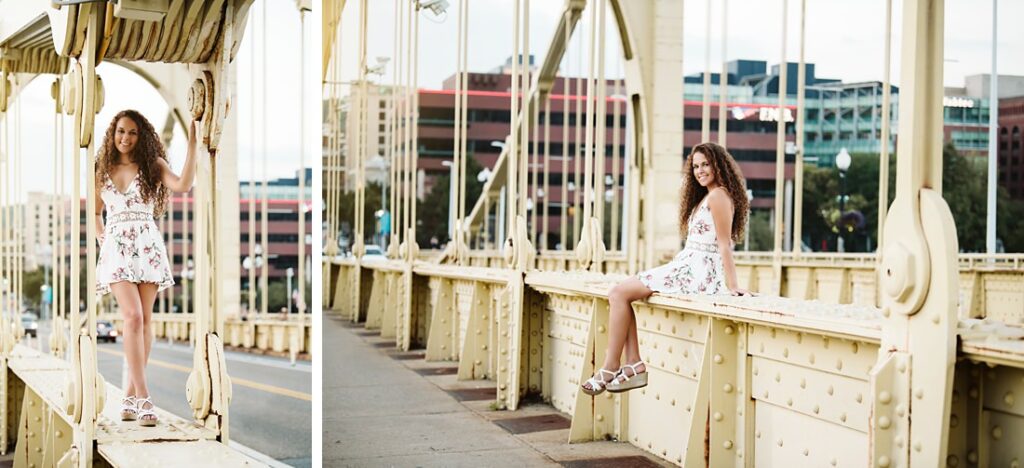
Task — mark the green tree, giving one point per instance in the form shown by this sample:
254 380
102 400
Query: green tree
31 282
963 188
432 210
346 206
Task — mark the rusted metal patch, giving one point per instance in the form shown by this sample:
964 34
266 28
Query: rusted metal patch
473 394
544 422
437 371
635 461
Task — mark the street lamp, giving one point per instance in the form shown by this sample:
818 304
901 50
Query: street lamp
290 272
187 274
843 163
746 232
250 263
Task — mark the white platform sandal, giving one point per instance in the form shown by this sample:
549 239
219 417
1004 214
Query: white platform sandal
146 416
628 381
129 411
597 385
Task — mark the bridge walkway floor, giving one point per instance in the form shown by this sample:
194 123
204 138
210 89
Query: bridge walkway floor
386 407
174 441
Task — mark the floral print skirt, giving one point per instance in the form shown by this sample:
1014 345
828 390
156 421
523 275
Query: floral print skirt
692 271
133 251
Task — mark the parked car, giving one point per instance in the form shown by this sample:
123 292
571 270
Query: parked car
374 254
30 323
105 331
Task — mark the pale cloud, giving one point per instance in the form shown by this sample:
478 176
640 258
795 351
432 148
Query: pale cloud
845 39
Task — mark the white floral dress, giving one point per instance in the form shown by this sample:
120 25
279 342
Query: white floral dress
697 269
133 248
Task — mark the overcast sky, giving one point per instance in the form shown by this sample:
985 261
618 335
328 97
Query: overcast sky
845 39
125 89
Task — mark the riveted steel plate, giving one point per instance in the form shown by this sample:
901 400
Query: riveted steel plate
544 422
787 438
816 394
668 399
1003 432
838 356
1004 390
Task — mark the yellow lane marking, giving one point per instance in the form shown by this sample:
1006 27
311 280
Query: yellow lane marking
234 380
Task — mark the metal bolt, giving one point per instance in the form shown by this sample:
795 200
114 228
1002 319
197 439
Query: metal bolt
919 393
718 359
727 444
883 422
953 420
972 456
952 460
718 416
729 330
727 388
1008 399
884 397
830 390
883 461
997 433
785 352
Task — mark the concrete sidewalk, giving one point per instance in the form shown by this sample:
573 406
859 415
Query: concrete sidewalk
384 408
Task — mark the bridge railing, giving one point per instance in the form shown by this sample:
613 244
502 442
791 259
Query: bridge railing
770 379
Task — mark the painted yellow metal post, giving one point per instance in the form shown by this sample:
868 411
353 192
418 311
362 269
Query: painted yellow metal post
780 161
798 191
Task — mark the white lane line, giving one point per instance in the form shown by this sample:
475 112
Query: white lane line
258 456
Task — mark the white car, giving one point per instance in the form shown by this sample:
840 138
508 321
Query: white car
374 254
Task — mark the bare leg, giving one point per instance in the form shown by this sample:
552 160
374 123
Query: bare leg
147 291
130 304
622 323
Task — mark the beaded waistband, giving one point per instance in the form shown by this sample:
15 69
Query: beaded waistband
710 247
126 216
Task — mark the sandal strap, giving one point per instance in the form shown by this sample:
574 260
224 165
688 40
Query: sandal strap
621 377
596 383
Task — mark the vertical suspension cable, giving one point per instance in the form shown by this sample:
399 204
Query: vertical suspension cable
798 197
463 143
407 143
723 80
600 128
414 121
512 163
19 230
883 161
264 224
525 112
588 186
5 231
455 182
705 114
780 155
616 158
393 129
577 139
534 170
301 208
59 296
566 81
547 173
252 181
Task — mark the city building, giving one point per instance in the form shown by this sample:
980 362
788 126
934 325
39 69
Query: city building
1011 140
282 224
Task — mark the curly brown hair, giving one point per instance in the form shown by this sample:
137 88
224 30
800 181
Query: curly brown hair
147 150
727 173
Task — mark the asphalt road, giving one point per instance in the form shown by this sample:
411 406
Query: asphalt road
271 404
